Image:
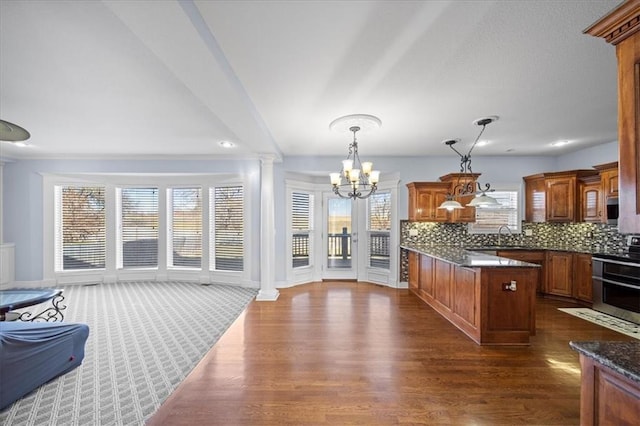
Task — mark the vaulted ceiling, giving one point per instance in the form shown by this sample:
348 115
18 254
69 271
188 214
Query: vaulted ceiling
171 79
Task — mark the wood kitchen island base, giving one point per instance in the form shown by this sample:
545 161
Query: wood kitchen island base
479 300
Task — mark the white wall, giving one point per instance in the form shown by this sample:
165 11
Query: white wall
22 188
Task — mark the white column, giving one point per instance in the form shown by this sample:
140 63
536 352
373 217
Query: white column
268 291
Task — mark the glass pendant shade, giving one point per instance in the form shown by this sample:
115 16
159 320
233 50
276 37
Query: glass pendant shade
451 205
483 200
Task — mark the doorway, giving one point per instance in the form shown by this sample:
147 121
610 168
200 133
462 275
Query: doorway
340 242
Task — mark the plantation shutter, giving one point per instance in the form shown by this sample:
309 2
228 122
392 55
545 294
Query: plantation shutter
186 227
139 222
379 229
489 219
228 228
81 223
301 228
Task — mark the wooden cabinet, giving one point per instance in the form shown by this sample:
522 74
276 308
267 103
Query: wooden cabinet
427 273
620 28
582 277
608 179
414 270
535 256
591 200
559 273
560 197
457 181
424 200
535 198
606 396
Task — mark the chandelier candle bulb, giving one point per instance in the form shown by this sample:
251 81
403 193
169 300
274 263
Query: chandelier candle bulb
354 175
347 165
367 166
374 177
335 178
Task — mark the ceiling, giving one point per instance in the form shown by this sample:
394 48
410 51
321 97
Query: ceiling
171 79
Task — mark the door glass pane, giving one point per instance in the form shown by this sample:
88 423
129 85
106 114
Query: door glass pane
339 233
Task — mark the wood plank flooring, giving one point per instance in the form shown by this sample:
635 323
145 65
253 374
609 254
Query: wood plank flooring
343 353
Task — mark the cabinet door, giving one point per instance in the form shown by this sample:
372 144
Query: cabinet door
414 271
439 215
591 202
561 199
560 273
425 199
609 179
583 282
442 290
535 199
426 275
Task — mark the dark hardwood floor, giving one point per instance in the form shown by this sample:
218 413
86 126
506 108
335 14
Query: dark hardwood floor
355 353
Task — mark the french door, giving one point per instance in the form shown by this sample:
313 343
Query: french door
340 238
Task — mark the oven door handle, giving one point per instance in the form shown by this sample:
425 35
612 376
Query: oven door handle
635 287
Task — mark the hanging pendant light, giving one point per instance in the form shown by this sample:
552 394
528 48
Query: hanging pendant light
469 186
360 179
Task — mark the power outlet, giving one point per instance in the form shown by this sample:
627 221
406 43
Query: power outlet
413 232
528 232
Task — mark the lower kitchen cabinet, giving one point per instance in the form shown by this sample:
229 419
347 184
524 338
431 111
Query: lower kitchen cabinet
559 273
582 273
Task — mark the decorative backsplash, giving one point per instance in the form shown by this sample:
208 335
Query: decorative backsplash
592 237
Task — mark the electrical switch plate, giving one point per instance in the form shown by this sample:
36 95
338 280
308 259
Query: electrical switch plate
528 232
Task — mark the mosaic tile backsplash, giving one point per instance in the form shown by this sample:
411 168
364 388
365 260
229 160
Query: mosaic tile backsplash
594 237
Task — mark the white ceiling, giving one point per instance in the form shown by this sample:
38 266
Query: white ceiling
170 79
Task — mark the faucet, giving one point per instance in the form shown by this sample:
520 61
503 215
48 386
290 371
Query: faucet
500 232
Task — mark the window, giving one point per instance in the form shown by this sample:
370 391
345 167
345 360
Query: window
138 227
301 228
227 228
379 229
185 232
80 236
489 219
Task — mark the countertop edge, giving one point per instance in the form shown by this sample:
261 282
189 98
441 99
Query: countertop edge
611 355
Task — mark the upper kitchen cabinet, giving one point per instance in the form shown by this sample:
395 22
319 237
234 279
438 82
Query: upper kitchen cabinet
621 27
558 194
459 181
424 200
608 179
591 200
535 198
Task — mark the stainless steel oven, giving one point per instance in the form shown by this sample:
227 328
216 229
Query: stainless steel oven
616 283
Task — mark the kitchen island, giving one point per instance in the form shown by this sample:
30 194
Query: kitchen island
610 390
489 298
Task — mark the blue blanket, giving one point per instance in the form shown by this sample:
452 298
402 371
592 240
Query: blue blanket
33 353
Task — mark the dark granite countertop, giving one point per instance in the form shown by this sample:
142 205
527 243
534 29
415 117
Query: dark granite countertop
621 357
467 258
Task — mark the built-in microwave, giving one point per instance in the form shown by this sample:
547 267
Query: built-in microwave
612 210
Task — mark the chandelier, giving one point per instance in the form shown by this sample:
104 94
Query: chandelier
360 180
469 186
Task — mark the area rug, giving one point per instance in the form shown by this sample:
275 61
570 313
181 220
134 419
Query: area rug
608 321
144 339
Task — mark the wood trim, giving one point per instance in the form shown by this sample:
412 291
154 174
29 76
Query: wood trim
619 24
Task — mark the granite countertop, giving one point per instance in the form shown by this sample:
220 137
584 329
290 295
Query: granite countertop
467 258
621 357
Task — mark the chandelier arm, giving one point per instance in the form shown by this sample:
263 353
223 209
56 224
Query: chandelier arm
484 126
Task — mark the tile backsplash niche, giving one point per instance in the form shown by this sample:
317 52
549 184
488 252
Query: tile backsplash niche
592 237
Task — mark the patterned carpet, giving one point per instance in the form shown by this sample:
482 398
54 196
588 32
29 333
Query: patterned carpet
608 321
145 337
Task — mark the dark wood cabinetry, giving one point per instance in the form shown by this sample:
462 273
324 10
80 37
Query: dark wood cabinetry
559 273
424 200
582 282
591 200
608 179
414 270
535 198
621 28
557 194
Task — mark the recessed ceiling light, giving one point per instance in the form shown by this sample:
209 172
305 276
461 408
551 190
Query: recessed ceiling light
226 144
560 143
482 143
